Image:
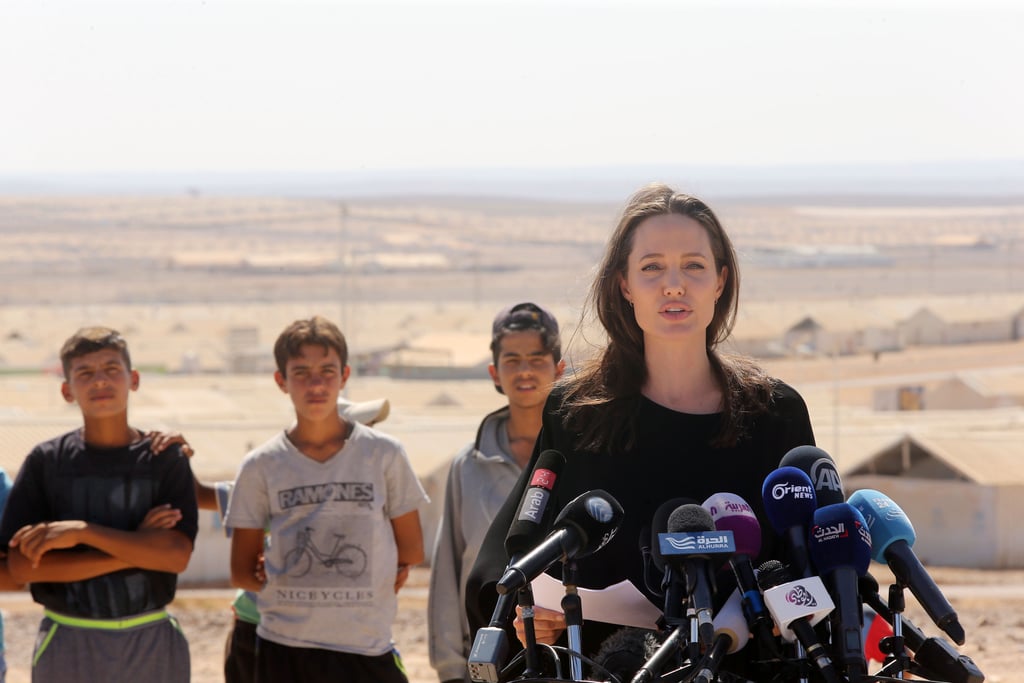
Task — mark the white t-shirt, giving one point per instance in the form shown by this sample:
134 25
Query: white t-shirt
331 558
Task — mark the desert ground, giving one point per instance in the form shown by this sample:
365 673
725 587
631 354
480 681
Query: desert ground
990 606
180 275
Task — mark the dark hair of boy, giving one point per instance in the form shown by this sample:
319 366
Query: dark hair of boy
318 331
90 340
525 317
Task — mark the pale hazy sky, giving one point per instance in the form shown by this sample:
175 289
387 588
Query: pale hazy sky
293 85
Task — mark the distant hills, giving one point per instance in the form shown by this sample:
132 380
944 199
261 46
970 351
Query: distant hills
951 182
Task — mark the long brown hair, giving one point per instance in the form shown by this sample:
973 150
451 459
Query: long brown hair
601 400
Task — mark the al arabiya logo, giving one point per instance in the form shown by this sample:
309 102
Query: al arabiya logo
599 508
801 596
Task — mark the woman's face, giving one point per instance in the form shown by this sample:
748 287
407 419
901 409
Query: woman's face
671 277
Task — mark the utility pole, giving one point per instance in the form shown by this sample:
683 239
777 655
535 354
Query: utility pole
345 273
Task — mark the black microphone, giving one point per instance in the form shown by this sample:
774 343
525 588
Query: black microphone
531 520
821 469
693 542
892 536
796 607
673 584
937 659
731 634
840 547
583 527
490 644
789 504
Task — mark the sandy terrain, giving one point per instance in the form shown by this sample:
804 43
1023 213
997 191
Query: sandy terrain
990 606
188 269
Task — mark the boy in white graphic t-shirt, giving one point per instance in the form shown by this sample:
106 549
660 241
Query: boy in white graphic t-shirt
340 501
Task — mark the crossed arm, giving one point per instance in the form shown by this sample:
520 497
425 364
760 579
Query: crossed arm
154 545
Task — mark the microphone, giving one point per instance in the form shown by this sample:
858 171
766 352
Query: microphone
531 520
893 535
490 644
731 635
796 607
730 512
731 622
789 504
625 651
840 546
937 658
583 527
821 469
692 536
672 584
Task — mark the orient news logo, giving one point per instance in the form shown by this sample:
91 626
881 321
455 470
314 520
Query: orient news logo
801 597
795 491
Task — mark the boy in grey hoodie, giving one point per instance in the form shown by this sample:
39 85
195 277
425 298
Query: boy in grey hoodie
527 361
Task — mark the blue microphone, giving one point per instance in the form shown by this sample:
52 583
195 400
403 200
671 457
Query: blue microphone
840 547
892 536
789 504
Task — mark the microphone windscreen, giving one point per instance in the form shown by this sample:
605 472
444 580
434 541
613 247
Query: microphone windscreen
595 515
789 499
772 573
730 620
690 518
624 652
821 469
885 519
731 513
659 525
535 510
839 537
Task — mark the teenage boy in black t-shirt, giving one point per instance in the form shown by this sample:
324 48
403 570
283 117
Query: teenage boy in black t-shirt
100 527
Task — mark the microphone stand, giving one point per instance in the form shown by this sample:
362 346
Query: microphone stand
897 660
573 608
803 664
530 647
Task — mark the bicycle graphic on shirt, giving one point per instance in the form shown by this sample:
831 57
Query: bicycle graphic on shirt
347 558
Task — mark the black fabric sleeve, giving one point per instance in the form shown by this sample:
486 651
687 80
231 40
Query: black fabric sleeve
177 487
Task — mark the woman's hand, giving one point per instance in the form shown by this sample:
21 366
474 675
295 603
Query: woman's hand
548 625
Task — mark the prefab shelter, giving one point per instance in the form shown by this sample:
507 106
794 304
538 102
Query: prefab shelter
964 495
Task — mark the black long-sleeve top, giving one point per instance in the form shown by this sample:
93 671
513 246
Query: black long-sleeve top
673 457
